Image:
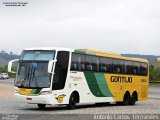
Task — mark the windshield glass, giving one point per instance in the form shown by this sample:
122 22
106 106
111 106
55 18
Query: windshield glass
41 55
32 71
33 75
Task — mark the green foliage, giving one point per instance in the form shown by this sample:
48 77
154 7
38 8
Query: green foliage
4 69
14 69
154 73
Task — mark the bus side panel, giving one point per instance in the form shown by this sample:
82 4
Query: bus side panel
119 84
88 92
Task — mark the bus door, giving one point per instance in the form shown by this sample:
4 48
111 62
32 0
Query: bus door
61 70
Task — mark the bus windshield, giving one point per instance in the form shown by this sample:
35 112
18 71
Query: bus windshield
34 75
42 55
33 69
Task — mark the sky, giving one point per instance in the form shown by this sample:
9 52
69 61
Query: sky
119 26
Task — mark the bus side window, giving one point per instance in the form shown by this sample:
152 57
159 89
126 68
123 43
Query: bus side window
103 68
74 66
92 63
117 66
74 63
78 62
81 64
136 68
143 69
105 65
89 67
128 67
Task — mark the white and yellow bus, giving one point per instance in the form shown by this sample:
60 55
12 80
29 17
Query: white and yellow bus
62 76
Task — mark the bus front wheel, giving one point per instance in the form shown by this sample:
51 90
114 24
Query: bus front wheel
72 101
41 106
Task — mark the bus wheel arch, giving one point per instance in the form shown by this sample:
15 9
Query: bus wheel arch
73 99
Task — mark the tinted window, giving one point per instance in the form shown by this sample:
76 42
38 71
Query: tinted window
105 65
136 68
117 66
92 63
78 62
143 69
61 69
82 62
128 69
75 60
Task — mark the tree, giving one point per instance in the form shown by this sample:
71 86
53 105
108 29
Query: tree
157 74
151 74
154 73
3 69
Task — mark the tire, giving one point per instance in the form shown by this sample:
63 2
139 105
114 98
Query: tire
72 101
133 99
119 103
126 99
41 106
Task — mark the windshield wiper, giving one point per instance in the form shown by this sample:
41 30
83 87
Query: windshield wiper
28 74
33 77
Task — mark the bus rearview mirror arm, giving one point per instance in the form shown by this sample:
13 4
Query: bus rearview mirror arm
10 63
50 65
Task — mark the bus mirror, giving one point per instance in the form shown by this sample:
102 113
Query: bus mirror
50 66
10 65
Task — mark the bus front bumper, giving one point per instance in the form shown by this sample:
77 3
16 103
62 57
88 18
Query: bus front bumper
39 99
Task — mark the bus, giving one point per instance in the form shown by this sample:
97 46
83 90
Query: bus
64 76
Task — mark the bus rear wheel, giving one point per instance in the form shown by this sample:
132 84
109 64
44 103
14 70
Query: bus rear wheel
126 99
41 106
133 99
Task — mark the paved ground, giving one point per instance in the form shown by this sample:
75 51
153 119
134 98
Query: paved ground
154 92
9 105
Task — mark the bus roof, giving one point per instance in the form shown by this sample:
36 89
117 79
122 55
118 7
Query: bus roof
90 52
50 48
108 54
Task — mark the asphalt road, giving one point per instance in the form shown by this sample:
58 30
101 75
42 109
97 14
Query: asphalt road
8 104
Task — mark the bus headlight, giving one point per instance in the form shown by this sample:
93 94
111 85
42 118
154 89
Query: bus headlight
16 91
45 92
